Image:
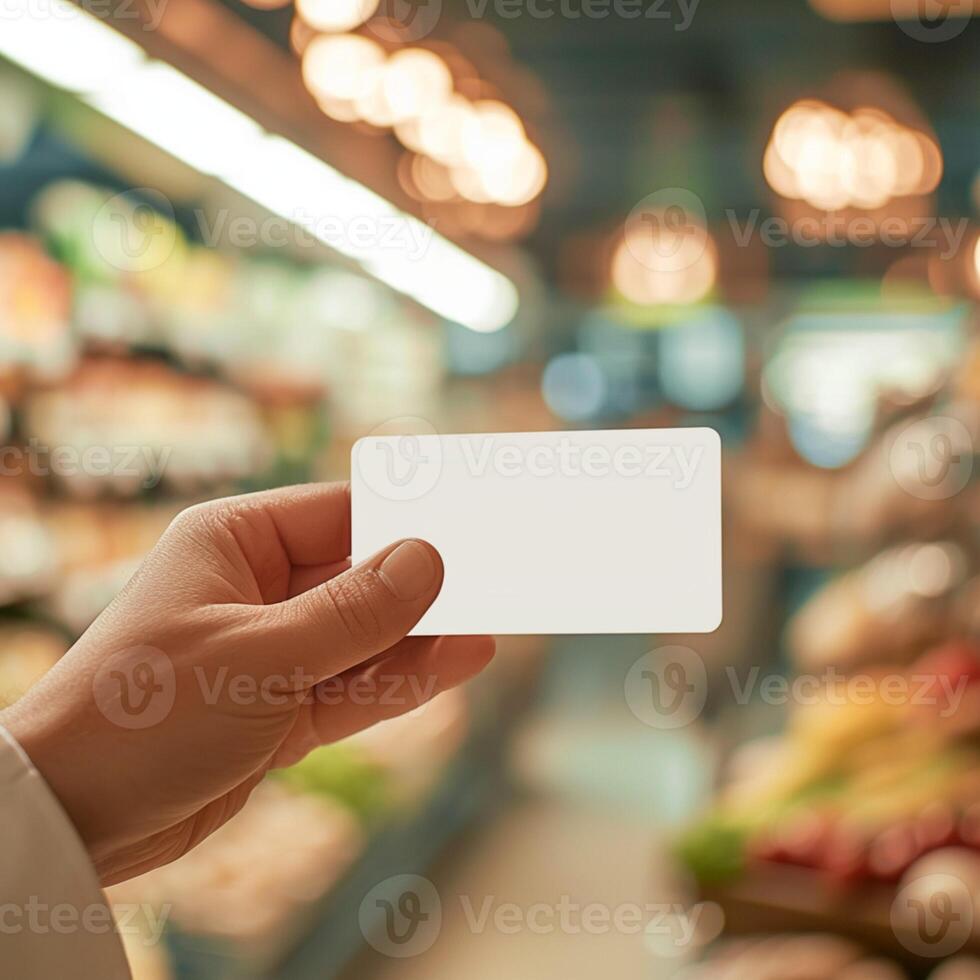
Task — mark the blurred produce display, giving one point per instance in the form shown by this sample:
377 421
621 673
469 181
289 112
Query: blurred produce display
251 880
184 431
874 771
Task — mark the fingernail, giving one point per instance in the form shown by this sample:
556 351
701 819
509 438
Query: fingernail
409 571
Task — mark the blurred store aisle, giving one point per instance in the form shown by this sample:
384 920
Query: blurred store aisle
540 850
596 791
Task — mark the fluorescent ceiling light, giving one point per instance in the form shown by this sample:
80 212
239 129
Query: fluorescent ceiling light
75 51
65 46
197 127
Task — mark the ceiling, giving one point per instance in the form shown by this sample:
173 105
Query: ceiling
683 97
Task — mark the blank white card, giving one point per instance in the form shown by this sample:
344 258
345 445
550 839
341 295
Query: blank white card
615 531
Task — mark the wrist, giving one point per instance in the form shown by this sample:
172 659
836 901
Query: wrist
49 756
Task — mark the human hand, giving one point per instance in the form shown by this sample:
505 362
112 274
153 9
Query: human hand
243 641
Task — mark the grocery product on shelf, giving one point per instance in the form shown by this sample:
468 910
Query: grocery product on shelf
35 312
252 879
97 548
888 609
149 424
132 279
28 550
415 748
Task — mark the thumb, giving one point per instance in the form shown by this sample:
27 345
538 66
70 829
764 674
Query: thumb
359 613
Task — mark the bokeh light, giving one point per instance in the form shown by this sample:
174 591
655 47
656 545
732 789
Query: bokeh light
439 131
829 370
665 262
492 136
472 353
573 387
701 363
416 81
335 16
341 69
833 159
520 182
432 179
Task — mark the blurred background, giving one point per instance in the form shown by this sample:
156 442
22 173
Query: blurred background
237 237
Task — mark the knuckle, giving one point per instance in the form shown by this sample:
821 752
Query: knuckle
354 609
197 517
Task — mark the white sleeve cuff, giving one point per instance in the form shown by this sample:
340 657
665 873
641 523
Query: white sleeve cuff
55 920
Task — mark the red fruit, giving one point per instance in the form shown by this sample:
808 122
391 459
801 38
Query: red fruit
955 659
797 839
767 847
935 827
846 855
955 662
802 838
892 851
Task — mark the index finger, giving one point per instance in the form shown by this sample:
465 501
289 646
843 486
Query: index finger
312 520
